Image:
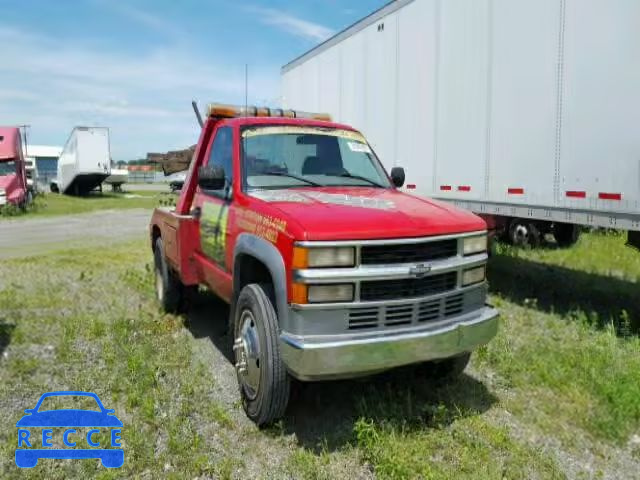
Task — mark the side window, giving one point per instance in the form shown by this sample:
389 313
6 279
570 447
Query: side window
222 151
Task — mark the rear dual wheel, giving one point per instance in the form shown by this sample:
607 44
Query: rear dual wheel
169 289
566 234
524 234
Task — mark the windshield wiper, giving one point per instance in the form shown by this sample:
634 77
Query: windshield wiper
359 177
291 175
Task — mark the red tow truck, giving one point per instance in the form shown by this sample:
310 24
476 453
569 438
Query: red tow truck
13 177
330 270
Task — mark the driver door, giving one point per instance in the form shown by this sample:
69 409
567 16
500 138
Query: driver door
215 206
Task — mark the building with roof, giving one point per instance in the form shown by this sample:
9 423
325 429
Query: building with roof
45 160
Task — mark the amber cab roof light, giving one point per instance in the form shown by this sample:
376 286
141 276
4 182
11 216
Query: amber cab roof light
219 110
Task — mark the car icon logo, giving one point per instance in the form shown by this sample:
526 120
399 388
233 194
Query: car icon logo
419 270
96 421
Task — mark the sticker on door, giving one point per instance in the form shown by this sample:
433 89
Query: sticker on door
213 226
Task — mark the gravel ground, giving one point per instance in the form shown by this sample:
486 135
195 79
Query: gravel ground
21 238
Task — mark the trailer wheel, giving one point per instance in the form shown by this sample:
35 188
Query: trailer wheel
566 234
262 377
447 370
524 234
169 289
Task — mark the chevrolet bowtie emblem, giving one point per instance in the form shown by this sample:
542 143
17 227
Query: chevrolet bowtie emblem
420 270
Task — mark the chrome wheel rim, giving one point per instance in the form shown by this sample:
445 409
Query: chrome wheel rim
520 235
246 348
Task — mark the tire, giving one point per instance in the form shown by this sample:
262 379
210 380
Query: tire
447 370
524 234
566 234
262 377
169 289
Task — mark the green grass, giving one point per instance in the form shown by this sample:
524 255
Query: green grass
52 204
555 395
598 277
70 332
569 338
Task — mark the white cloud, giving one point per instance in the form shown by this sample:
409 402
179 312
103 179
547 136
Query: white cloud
292 24
140 16
143 98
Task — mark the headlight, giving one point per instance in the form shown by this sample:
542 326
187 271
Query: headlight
476 244
473 275
303 294
324 257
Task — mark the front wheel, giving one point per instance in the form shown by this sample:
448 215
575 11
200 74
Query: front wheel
262 377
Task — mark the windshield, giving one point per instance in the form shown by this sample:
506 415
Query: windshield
7 168
69 402
291 156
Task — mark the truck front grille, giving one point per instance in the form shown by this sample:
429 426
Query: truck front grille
407 288
408 253
416 313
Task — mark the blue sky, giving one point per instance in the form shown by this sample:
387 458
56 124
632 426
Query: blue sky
135 66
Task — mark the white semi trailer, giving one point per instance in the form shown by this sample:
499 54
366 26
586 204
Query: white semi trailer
524 111
85 161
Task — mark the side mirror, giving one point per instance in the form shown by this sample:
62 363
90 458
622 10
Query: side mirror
397 176
211 178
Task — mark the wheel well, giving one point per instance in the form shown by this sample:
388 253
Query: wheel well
155 234
248 269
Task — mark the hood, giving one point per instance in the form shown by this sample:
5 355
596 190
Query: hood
7 181
69 418
361 213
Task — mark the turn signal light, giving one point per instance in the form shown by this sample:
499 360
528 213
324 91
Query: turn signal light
299 294
220 110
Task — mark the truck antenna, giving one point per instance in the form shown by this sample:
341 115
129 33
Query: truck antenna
246 88
194 104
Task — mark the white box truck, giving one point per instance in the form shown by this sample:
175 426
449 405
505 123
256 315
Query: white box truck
85 161
523 111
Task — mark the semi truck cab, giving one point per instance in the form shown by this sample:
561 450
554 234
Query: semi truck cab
330 270
13 181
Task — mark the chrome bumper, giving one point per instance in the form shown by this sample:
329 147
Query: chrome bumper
325 357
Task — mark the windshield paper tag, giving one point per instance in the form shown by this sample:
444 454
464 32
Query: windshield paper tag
359 147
